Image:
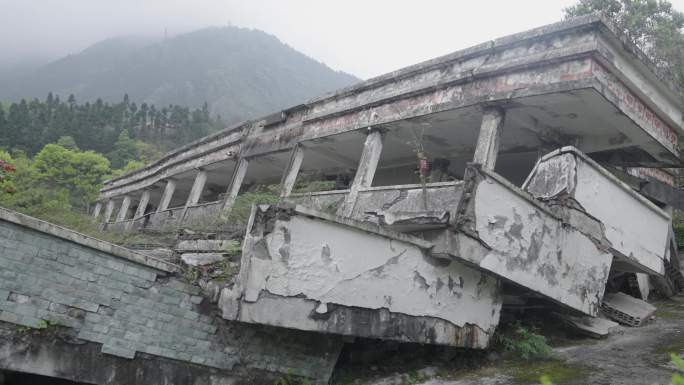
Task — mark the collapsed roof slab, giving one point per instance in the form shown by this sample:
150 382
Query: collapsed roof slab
637 229
302 269
639 113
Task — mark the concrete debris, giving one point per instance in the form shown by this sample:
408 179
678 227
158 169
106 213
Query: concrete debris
200 245
164 254
405 222
596 327
201 259
627 310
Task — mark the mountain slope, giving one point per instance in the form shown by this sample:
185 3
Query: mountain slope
241 73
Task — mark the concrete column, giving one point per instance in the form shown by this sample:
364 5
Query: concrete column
235 183
368 163
109 210
142 205
290 176
97 209
197 188
167 195
487 147
123 210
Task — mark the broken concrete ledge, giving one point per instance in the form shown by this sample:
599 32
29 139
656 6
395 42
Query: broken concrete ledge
307 314
85 240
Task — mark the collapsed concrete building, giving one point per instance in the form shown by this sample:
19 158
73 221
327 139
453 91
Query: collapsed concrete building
533 167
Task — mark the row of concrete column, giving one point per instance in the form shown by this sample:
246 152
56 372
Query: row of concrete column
486 152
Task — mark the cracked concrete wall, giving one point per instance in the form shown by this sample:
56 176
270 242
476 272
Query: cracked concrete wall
524 242
310 273
409 199
636 228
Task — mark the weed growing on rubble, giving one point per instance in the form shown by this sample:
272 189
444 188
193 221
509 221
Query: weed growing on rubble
313 186
677 378
242 208
524 342
232 248
290 379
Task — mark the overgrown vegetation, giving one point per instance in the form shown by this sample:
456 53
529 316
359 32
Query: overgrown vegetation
233 248
290 379
652 25
302 187
523 342
57 186
261 195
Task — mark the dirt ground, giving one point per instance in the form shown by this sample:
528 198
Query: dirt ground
630 356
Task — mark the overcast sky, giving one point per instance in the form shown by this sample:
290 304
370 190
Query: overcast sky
363 37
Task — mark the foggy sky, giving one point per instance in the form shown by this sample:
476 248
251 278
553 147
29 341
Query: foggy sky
362 37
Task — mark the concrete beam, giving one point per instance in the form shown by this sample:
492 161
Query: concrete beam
197 188
235 183
488 141
167 195
142 205
368 163
290 175
97 209
109 209
123 210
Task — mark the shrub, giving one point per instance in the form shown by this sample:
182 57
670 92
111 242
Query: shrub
524 343
242 208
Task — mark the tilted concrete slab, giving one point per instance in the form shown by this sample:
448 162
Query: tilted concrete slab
305 270
518 238
596 327
637 229
626 309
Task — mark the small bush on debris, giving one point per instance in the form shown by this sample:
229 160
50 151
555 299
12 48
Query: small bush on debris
242 208
524 342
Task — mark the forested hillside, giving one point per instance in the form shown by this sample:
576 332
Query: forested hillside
102 127
241 73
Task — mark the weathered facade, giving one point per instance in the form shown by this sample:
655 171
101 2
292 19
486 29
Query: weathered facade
534 165
487 210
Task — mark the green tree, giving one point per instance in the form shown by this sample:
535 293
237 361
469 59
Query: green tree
79 173
653 25
125 149
67 142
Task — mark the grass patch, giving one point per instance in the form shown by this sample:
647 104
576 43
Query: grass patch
313 186
673 345
557 371
242 208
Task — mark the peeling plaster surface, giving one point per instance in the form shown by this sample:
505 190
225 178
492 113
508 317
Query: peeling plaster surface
307 262
637 230
534 249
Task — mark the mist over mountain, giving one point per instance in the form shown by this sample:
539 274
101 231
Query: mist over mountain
241 73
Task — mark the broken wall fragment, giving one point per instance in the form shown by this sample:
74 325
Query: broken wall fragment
304 270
